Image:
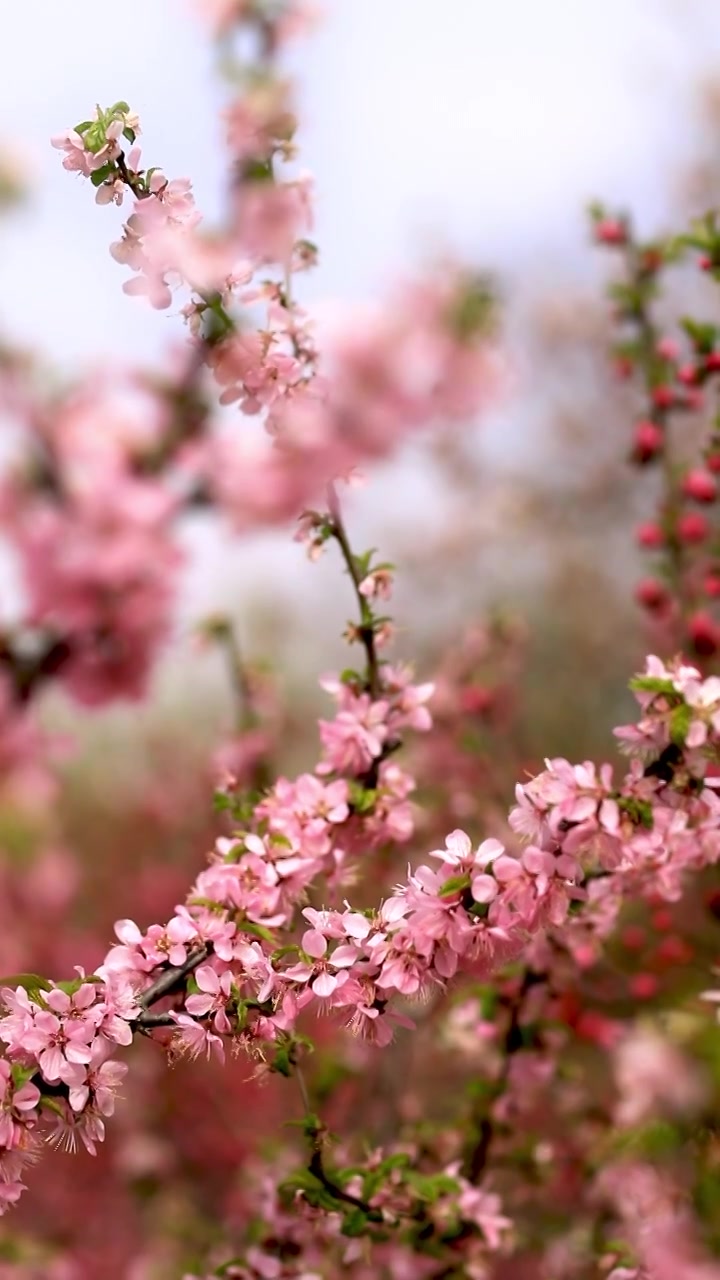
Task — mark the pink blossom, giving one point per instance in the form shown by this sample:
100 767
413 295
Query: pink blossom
215 992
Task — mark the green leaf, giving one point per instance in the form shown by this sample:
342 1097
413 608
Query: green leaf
658 1139
362 799
290 949
257 171
231 1264
348 676
430 1187
95 137
310 1124
702 336
680 721
355 1223
455 884
256 930
473 313
281 1063
71 985
301 1180
98 176
129 134
33 983
21 1075
653 684
639 811
280 842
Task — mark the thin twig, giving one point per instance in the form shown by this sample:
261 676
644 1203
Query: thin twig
366 630
172 978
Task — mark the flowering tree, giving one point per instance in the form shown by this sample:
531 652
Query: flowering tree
572 1134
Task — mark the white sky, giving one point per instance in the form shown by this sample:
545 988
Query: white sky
486 125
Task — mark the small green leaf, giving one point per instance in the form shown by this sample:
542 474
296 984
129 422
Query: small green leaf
639 811
256 930
474 311
95 137
348 676
33 983
355 1223
702 336
653 684
362 799
680 721
281 1062
98 176
454 885
257 171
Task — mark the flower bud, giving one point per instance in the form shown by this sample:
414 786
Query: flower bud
663 396
610 231
652 595
692 527
668 349
476 699
648 441
643 986
703 634
700 485
649 534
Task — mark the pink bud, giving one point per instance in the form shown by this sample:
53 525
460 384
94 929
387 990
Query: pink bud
610 231
633 937
648 441
476 699
649 534
663 397
651 594
694 399
693 527
662 920
644 986
700 485
703 633
668 349
675 950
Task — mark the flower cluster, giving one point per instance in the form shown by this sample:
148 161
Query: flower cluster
293 914
222 953
675 374
414 1217
58 1069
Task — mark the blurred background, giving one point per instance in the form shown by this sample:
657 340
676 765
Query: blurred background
471 126
481 129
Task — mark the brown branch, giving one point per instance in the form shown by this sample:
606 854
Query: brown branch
172 978
478 1149
366 629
